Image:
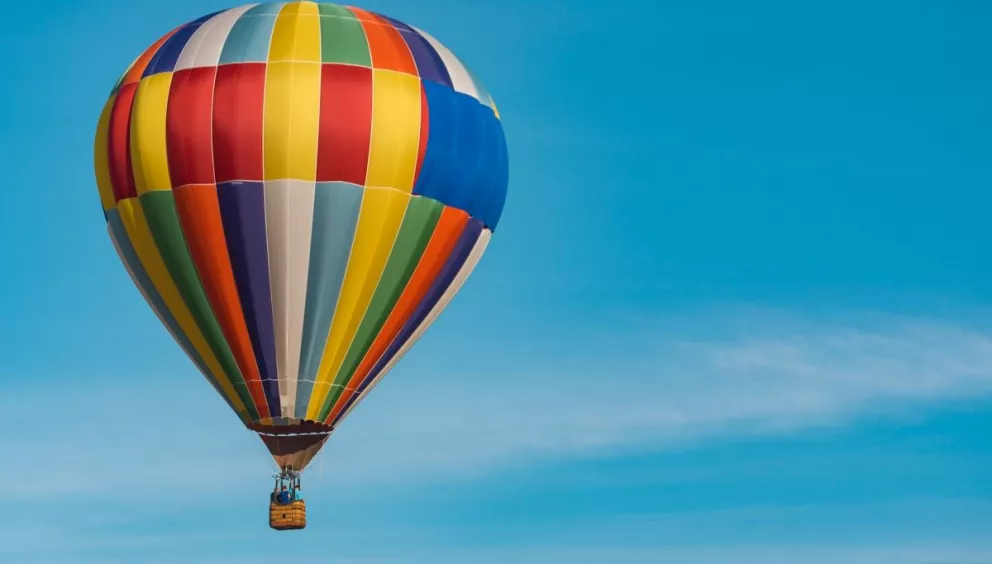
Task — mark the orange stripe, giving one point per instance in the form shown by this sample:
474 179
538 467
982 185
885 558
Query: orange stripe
199 213
134 75
388 49
449 227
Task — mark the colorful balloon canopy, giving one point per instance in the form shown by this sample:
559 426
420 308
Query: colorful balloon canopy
298 190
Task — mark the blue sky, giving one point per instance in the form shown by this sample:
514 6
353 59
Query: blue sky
737 310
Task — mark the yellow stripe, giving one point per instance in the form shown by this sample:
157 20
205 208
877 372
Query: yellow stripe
378 223
101 161
136 225
292 120
395 130
296 35
149 157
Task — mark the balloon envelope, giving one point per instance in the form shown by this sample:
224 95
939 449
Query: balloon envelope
298 190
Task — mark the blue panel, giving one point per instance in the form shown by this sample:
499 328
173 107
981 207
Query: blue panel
242 209
489 205
465 161
145 283
483 158
335 219
440 172
249 39
470 157
459 254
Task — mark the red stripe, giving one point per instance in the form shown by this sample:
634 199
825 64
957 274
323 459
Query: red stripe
188 141
424 130
199 215
345 123
239 97
118 144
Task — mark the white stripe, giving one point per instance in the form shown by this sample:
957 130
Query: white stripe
204 48
470 262
288 222
460 79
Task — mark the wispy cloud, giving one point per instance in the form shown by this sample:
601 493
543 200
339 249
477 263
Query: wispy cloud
774 376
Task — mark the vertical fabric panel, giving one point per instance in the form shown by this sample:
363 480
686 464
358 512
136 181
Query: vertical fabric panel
207 43
140 280
345 123
389 51
118 144
466 255
342 37
163 222
101 162
497 175
129 258
166 57
242 208
335 219
199 214
471 155
464 132
446 235
378 223
292 106
461 81
296 36
149 157
137 69
288 219
239 98
418 225
395 130
188 127
248 41
436 179
429 63
132 217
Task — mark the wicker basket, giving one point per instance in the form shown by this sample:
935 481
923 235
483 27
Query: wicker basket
288 516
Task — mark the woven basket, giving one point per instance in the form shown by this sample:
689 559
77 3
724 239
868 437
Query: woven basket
288 516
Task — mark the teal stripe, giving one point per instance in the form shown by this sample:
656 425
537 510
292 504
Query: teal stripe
335 219
248 41
146 285
163 222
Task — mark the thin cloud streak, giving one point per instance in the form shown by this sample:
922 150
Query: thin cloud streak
780 378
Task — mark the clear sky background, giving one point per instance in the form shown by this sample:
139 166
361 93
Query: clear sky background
737 309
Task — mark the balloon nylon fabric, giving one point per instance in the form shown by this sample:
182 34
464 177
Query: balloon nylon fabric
297 190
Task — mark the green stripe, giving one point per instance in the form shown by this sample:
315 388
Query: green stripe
342 38
415 232
163 221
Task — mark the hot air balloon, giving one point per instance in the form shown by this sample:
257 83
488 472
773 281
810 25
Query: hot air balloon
298 190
